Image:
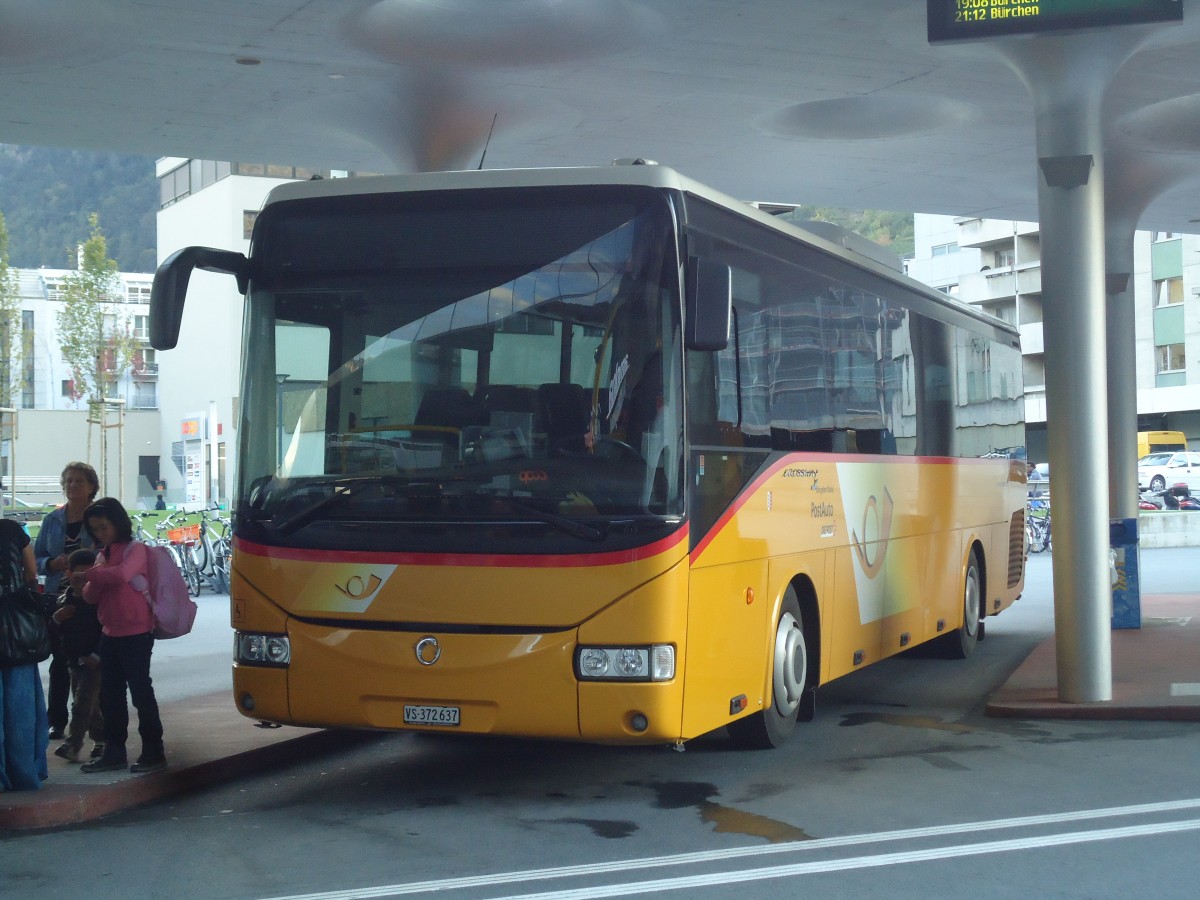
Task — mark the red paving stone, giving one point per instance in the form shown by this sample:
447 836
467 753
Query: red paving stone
1155 671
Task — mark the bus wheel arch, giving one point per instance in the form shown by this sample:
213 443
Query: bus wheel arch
961 642
810 617
792 681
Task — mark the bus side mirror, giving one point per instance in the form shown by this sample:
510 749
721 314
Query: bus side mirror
171 282
709 307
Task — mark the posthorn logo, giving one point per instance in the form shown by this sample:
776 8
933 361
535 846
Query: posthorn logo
428 650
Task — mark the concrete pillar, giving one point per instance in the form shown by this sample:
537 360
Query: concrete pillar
1120 225
1067 77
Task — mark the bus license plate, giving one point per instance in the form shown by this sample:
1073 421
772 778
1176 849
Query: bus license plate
431 715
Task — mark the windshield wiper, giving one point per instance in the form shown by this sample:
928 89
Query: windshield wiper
343 489
562 523
346 488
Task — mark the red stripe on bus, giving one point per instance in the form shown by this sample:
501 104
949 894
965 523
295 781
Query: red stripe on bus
532 561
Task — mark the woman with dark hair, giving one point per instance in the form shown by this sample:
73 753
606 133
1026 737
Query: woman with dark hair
23 737
116 585
61 534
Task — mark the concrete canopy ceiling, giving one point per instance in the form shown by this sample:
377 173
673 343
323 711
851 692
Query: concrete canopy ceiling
810 101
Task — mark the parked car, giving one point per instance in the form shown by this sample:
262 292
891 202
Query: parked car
1156 471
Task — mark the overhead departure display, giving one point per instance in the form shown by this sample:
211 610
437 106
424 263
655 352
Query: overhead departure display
964 20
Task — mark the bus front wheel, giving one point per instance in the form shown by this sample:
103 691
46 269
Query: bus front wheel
789 667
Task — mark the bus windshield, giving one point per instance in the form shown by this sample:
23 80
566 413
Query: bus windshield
445 365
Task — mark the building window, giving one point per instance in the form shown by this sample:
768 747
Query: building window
189 177
68 388
943 249
1170 358
145 395
174 185
137 292
1006 259
1168 291
208 172
54 287
141 328
145 362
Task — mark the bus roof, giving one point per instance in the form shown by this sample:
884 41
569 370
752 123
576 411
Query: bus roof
635 173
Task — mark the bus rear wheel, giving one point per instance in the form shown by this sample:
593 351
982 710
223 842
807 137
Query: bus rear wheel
789 668
960 643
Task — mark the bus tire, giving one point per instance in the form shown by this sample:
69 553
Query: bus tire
771 726
960 643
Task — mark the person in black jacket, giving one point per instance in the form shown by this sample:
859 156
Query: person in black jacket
79 633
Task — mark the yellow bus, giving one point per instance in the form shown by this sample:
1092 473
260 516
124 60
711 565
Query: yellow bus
1160 442
597 454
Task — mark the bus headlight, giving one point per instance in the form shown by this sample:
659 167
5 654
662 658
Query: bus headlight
653 663
255 649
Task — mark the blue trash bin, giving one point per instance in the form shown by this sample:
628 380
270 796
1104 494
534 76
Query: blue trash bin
1126 592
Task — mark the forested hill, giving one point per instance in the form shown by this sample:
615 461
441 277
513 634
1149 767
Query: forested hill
893 230
47 194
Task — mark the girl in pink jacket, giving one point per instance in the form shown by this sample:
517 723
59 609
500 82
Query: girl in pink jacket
116 585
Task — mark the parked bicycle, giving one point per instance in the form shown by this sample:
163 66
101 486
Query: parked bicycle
140 532
210 551
169 534
1037 525
180 538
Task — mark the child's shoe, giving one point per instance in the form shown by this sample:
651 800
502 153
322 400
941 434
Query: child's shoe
144 764
104 764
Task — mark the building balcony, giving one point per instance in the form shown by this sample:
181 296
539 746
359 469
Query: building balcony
987 232
1032 339
999 284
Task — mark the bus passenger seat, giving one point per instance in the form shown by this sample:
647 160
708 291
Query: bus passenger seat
564 410
452 407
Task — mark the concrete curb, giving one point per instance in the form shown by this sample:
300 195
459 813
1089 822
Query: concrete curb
59 805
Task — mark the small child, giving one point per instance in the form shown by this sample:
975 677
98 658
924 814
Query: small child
79 632
116 585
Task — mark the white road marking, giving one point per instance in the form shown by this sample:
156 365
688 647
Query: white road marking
784 871
859 862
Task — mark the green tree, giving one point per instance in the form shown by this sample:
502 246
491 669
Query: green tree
96 333
11 345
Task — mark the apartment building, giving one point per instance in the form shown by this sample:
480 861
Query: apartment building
996 265
48 429
210 204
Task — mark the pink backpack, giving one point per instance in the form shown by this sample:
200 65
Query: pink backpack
174 611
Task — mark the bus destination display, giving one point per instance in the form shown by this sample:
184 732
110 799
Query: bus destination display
962 20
